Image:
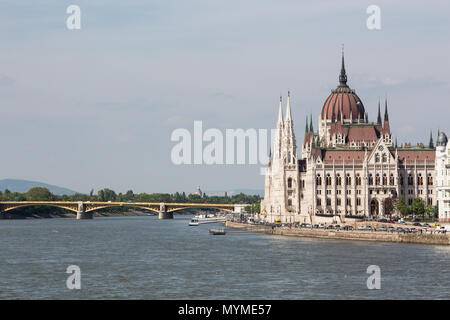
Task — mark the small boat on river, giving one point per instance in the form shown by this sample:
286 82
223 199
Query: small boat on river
216 232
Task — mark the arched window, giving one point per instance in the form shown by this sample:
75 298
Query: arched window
318 180
348 179
328 180
377 179
420 179
370 179
384 158
385 179
289 183
377 157
358 179
410 180
401 180
338 180
430 180
391 179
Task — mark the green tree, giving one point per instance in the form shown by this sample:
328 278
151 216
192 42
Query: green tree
129 196
418 207
107 195
402 207
38 194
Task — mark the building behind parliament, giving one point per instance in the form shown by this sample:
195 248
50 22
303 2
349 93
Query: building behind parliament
349 167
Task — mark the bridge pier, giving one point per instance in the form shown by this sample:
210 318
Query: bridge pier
82 214
163 214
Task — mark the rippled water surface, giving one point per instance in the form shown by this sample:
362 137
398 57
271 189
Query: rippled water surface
146 258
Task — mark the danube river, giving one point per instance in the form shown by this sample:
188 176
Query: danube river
145 258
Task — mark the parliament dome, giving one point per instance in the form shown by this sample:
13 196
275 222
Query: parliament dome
343 101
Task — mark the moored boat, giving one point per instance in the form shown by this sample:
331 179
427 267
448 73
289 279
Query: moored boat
217 231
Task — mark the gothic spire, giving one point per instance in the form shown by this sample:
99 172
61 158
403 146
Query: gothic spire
379 114
311 129
431 144
343 75
306 126
386 115
288 108
280 114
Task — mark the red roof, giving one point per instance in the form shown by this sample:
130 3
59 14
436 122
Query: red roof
343 100
339 156
363 134
416 156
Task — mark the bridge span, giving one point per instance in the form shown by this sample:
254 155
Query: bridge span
85 209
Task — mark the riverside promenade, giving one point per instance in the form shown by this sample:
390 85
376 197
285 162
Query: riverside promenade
382 236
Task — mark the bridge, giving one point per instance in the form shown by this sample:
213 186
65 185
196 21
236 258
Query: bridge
85 209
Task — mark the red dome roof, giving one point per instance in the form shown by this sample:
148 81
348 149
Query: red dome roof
343 101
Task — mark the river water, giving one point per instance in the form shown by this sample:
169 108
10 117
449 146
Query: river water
146 258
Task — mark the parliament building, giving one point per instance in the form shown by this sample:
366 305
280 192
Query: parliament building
349 168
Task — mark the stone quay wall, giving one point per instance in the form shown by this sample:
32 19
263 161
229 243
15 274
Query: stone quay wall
434 239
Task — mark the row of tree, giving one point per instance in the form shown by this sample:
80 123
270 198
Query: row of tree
43 194
418 207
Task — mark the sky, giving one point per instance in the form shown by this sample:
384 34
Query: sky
94 108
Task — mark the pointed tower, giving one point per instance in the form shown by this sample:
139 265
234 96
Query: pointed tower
277 146
379 114
311 129
386 127
343 74
289 143
387 136
274 204
431 144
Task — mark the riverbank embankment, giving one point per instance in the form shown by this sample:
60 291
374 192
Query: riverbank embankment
382 236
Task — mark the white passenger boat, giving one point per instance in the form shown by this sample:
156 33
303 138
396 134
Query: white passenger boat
205 218
194 222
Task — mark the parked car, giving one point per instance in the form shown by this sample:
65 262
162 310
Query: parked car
369 228
348 228
417 224
391 229
337 227
402 222
407 230
382 220
321 226
316 226
399 229
361 228
382 228
330 227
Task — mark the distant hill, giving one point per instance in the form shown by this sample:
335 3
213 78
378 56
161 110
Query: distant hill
22 186
249 192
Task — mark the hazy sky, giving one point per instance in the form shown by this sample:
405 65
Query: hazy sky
95 107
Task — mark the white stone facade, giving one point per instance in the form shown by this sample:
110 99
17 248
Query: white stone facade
443 177
350 168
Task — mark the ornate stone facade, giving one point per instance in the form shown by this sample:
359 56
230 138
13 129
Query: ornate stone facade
350 168
443 177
